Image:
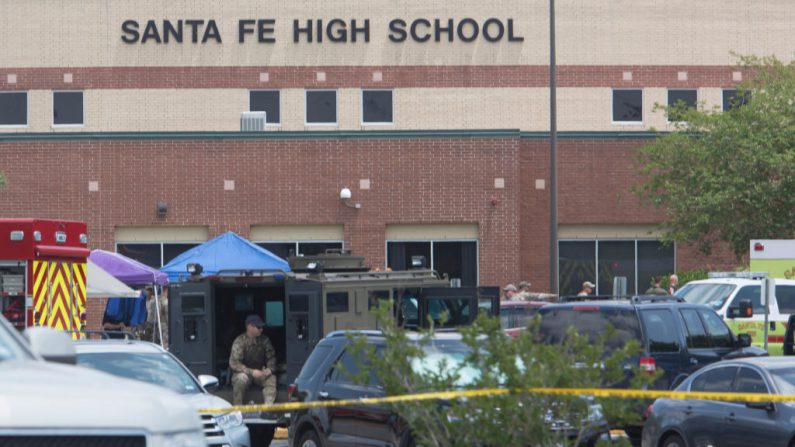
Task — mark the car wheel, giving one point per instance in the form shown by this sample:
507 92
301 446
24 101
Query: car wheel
309 439
674 440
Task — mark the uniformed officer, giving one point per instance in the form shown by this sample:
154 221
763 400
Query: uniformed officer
253 360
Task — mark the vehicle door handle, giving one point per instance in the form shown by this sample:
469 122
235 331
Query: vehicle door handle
323 394
731 417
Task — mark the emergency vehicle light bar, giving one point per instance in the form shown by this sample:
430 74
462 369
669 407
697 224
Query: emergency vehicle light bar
742 275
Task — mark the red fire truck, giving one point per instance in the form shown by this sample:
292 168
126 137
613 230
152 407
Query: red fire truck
43 272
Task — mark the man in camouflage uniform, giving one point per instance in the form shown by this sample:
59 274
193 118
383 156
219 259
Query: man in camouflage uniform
253 360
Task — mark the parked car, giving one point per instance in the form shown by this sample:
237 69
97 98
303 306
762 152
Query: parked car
516 315
321 378
724 294
683 423
675 336
49 404
147 362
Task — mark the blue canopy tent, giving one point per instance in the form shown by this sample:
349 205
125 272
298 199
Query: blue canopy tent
229 253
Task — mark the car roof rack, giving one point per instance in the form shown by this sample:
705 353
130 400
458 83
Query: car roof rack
365 332
104 335
657 299
575 298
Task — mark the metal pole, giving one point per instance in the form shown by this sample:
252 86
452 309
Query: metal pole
553 157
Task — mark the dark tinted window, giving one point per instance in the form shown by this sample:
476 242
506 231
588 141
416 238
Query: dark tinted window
591 321
192 303
377 106
280 249
513 317
688 98
337 302
457 260
577 264
785 296
67 108
616 258
347 368
399 254
732 100
316 248
718 379
171 251
752 293
654 259
321 106
265 101
696 334
299 303
661 330
717 331
316 358
454 311
13 108
749 381
148 254
627 105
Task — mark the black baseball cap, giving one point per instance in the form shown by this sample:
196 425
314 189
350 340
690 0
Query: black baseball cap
255 320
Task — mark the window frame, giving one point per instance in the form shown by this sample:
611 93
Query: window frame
723 105
753 370
717 368
612 108
279 91
595 280
431 264
645 314
361 107
27 110
160 243
52 110
297 242
336 107
668 101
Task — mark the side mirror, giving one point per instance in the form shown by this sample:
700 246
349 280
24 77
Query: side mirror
208 382
767 406
52 345
744 340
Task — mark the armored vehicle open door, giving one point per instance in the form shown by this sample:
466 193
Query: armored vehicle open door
191 325
304 322
445 307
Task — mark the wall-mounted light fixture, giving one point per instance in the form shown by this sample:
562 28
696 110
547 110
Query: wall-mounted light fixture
162 208
345 196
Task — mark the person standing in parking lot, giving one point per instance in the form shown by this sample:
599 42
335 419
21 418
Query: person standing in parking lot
673 284
587 288
524 291
509 293
656 289
253 361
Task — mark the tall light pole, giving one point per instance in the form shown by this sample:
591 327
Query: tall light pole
553 157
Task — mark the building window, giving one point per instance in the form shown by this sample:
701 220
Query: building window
67 109
14 109
266 101
457 259
628 106
731 99
283 249
377 106
601 261
321 107
154 254
679 98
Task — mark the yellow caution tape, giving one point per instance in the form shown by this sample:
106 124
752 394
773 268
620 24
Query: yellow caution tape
446 395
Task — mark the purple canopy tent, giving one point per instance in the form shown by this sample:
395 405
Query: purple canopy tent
133 273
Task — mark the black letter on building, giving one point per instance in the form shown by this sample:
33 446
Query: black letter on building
337 30
265 27
365 29
129 27
297 30
243 29
168 29
414 35
511 37
475 30
397 28
211 32
500 30
150 32
438 30
194 25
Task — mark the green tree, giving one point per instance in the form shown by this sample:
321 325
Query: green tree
727 177
2 180
495 360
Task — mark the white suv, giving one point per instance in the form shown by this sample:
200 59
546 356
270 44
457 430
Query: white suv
49 404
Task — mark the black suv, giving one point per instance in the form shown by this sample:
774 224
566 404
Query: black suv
675 336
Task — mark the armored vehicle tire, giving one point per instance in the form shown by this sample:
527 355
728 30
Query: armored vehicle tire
261 435
309 439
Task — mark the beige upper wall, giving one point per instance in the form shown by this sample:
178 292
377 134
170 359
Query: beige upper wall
57 33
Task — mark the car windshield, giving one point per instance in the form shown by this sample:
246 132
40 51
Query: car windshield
590 321
784 379
11 346
156 368
446 356
713 295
